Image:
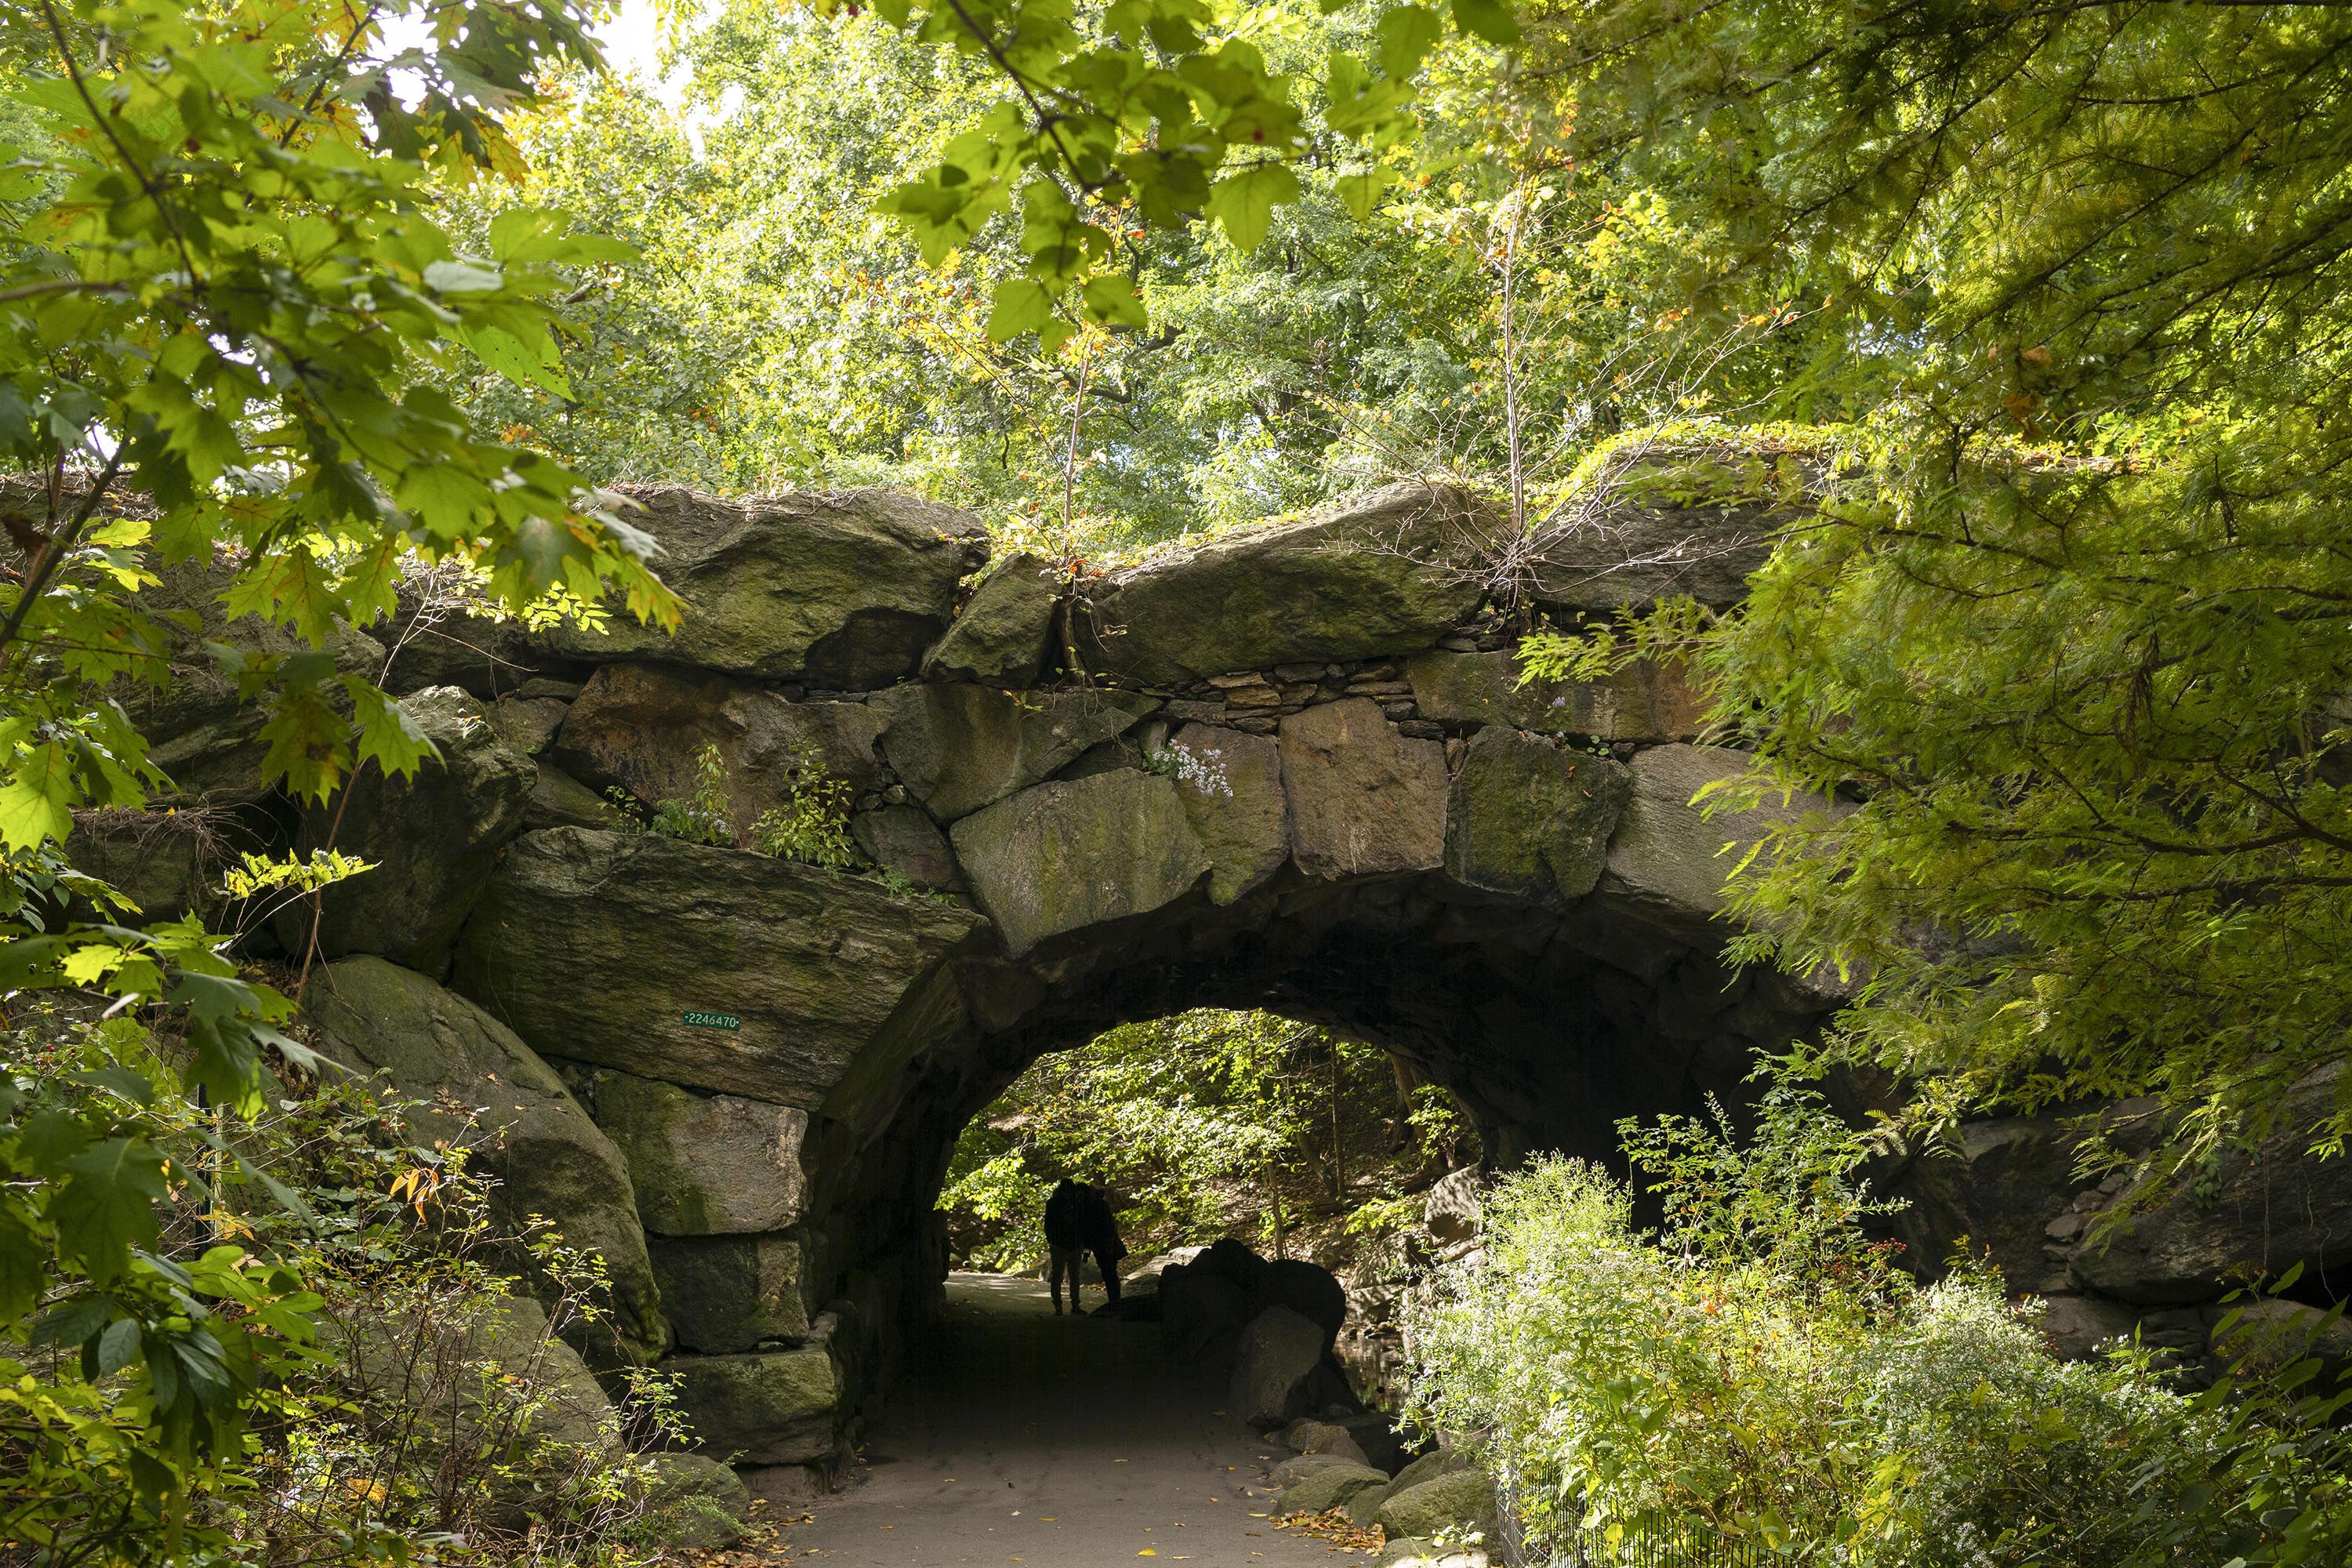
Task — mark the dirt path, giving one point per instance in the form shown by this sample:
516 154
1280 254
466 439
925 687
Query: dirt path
1019 1436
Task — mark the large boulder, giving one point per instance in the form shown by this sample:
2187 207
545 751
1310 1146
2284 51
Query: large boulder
1309 1289
959 746
1334 1485
843 591
1078 852
767 1407
643 728
1230 784
1668 855
1003 635
1646 701
1531 818
730 1293
548 1157
1683 523
1362 799
1201 1313
2258 1209
1430 1465
1450 1210
435 837
1233 1260
559 800
703 1165
693 1502
1453 1503
1283 1370
1382 574
2000 1185
717 968
169 863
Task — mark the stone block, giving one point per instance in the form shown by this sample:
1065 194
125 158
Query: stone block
1002 638
724 1294
1361 798
703 1165
1531 819
1064 856
1230 784
1647 701
959 746
767 1407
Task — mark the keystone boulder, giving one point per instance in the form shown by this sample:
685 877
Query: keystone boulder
1078 852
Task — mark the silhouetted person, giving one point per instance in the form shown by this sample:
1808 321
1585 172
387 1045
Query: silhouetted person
1078 1221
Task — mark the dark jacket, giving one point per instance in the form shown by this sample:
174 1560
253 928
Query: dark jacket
1079 1215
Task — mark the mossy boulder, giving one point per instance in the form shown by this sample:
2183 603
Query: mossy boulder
1451 1504
1078 852
642 728
434 836
959 746
549 1156
903 839
168 862
1333 1486
703 1165
1004 635
1646 701
559 800
1362 799
1531 818
1230 784
597 946
843 591
694 1502
767 1407
730 1293
1382 574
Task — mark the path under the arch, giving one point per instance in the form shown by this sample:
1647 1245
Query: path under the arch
1017 1436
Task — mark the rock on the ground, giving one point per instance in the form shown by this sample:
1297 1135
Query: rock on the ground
1002 636
729 1293
1412 1554
1282 1369
1230 784
1430 1465
2261 1209
1531 818
1233 1260
1332 1487
844 591
435 837
768 1407
2077 1327
595 946
703 1165
1667 855
1309 1436
1373 576
959 746
1292 1471
1362 798
1646 701
643 728
693 1503
1309 1289
1078 852
1201 1313
550 1158
1453 1503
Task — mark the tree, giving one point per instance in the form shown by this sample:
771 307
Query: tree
2065 619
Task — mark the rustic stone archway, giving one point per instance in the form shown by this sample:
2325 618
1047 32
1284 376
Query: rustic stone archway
1296 770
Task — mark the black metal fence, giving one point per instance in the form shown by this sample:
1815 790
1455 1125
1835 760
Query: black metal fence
1592 1549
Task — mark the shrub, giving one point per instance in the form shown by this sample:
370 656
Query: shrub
813 825
1757 1370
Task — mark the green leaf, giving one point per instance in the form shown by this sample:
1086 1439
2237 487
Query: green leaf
1111 300
37 800
1489 19
1405 35
462 278
1361 192
106 1204
118 1347
540 367
1019 305
1245 202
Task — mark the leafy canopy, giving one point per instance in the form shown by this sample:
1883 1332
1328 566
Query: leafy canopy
2067 619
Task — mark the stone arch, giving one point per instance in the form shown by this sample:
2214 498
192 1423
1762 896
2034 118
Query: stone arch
1297 769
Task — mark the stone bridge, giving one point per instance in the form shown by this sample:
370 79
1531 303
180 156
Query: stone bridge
1294 770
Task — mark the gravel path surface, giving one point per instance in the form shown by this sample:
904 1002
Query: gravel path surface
1017 1436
